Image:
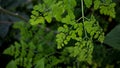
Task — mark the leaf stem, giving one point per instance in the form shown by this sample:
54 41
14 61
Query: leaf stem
83 19
82 10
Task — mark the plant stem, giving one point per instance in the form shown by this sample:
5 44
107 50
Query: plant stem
12 14
83 19
82 10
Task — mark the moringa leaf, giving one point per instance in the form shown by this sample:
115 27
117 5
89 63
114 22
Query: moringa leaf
88 3
48 18
96 4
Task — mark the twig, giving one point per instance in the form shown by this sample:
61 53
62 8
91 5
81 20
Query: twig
82 10
12 14
79 19
83 19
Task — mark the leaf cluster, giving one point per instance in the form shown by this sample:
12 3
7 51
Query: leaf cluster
74 43
32 47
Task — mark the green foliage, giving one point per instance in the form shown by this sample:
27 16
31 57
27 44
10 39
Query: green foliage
40 63
47 11
103 57
88 3
11 64
32 46
83 46
96 4
107 7
108 10
75 39
81 33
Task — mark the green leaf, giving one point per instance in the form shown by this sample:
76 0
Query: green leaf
108 10
61 29
10 50
73 3
40 63
40 20
36 13
101 38
66 28
71 14
112 10
37 21
58 10
49 3
88 26
113 38
96 4
96 35
108 1
88 3
67 20
70 3
11 64
39 7
76 51
48 18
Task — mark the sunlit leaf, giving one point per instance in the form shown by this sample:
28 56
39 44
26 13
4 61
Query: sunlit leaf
96 4
88 3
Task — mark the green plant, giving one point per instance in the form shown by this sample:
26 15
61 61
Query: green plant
82 33
34 45
75 38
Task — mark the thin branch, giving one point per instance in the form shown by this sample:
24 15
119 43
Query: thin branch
87 19
83 19
12 14
82 10
79 19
